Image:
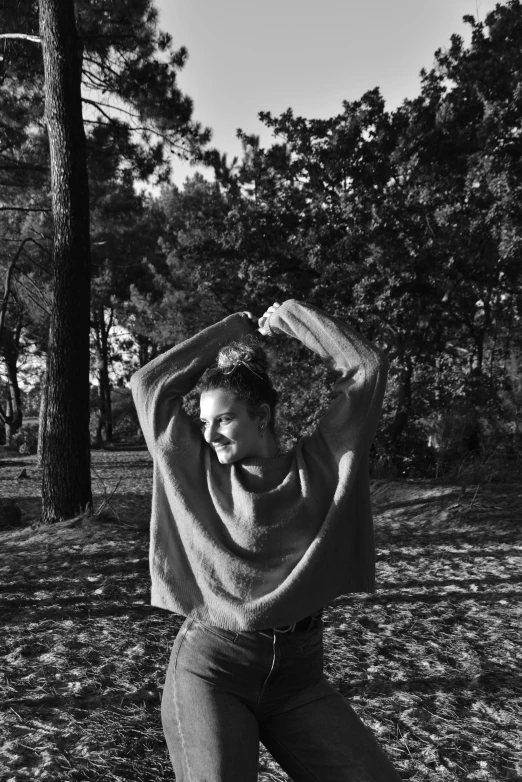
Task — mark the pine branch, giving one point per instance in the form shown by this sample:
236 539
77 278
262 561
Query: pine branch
112 37
173 144
109 106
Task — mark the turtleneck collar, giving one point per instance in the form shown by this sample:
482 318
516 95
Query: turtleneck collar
263 465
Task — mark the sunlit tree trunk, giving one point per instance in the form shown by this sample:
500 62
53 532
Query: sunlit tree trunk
66 487
42 415
12 417
102 331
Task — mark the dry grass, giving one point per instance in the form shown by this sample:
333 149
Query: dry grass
431 662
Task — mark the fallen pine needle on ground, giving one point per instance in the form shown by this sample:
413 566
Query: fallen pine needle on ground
431 661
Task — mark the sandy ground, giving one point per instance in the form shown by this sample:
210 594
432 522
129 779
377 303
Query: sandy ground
431 661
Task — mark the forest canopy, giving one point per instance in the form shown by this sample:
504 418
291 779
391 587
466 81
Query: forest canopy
406 223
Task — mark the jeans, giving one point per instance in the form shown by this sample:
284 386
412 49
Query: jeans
225 691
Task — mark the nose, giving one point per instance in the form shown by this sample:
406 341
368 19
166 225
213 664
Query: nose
211 432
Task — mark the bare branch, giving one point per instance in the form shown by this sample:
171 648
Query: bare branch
44 249
109 106
112 37
93 81
30 257
23 209
116 265
32 38
47 237
93 103
7 288
21 167
30 294
103 66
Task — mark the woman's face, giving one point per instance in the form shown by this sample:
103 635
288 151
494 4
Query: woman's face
228 427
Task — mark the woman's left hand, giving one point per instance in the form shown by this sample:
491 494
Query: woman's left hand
263 320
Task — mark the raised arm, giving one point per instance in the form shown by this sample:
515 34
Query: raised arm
361 367
159 386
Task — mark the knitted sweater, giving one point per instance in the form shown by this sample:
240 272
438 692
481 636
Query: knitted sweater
262 542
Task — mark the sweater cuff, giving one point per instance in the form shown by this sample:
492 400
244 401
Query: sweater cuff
272 330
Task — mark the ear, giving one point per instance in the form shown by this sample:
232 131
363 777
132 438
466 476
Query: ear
264 415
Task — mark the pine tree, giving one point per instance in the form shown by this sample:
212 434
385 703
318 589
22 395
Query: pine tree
136 118
66 485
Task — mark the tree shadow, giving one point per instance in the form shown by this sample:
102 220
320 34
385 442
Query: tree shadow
404 556
412 539
491 681
435 583
485 597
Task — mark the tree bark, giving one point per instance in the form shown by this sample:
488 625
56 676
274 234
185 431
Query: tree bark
66 485
42 416
147 350
102 331
9 415
10 348
11 354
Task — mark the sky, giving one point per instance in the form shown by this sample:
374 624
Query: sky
310 55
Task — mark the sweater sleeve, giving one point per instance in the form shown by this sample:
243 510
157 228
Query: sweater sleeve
158 387
361 369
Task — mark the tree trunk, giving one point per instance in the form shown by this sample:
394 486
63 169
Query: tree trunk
66 485
8 417
402 411
102 331
14 422
105 377
42 415
147 350
11 350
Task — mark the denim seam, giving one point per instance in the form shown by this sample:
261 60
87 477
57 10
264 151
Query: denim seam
296 759
269 672
176 705
215 632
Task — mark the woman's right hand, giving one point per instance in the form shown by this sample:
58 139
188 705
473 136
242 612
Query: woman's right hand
263 320
251 318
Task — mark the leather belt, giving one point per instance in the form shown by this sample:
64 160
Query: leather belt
303 626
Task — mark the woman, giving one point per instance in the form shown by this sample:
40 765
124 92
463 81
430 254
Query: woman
250 544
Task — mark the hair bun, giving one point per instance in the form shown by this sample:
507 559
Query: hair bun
242 354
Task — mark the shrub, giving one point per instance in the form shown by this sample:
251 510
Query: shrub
26 440
125 422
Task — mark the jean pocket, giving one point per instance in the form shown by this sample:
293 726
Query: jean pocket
219 632
313 645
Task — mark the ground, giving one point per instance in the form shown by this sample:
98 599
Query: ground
431 661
